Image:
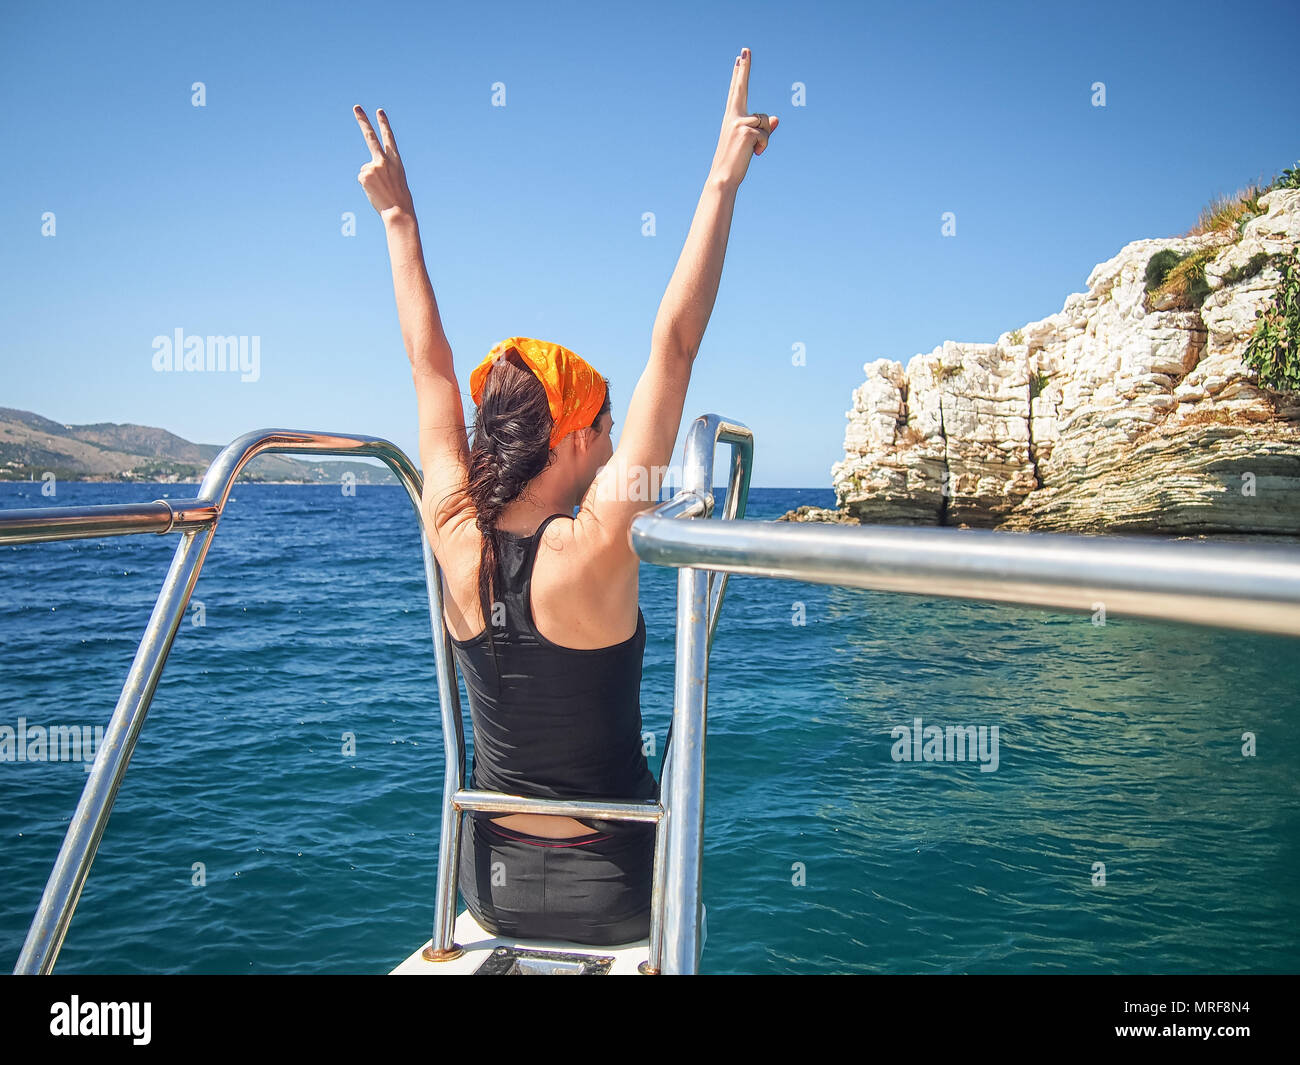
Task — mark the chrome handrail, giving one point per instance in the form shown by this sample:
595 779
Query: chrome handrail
196 520
1251 586
646 810
679 846
1255 587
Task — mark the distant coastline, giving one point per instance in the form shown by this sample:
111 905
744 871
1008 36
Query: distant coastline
390 483
34 448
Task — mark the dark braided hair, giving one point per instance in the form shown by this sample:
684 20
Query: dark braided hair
512 436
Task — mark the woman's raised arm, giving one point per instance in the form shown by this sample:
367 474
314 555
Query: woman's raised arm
444 448
654 414
688 301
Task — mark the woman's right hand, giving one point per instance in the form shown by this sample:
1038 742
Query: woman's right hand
743 135
384 177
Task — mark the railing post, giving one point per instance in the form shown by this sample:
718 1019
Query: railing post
442 946
685 823
659 888
68 877
679 847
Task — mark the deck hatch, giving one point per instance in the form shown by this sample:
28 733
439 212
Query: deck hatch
525 961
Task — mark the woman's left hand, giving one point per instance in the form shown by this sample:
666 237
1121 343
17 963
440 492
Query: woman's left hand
383 178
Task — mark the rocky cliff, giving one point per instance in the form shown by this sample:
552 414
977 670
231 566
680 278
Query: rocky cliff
1120 412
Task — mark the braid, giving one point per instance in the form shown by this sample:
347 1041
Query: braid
512 445
512 431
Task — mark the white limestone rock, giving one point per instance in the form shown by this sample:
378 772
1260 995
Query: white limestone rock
1103 415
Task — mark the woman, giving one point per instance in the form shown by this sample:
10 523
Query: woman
542 604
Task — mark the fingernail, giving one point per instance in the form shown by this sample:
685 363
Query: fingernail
744 53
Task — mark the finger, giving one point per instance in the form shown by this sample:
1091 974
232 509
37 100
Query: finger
738 97
766 123
386 131
376 151
731 88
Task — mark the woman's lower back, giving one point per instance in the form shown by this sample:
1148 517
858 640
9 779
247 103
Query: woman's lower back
592 890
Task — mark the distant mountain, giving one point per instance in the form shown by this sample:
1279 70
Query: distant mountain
32 445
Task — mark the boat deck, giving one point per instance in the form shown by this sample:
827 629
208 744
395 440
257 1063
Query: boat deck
507 957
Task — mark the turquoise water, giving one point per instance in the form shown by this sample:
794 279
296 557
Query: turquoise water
1118 744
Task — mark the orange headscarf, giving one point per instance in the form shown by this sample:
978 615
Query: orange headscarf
575 391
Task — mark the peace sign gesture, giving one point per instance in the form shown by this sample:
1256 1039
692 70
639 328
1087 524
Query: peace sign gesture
743 135
383 178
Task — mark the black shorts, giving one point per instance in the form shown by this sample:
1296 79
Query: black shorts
593 890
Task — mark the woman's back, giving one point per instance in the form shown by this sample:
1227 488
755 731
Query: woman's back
581 598
551 720
579 605
555 722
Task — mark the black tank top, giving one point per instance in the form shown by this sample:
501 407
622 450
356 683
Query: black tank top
550 721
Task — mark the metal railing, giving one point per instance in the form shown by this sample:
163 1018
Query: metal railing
1255 587
1243 586
674 901
196 519
1250 586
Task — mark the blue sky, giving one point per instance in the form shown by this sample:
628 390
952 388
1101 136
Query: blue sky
225 219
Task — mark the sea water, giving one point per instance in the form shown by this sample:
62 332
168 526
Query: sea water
1128 800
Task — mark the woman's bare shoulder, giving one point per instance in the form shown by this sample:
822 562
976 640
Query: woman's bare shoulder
582 590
